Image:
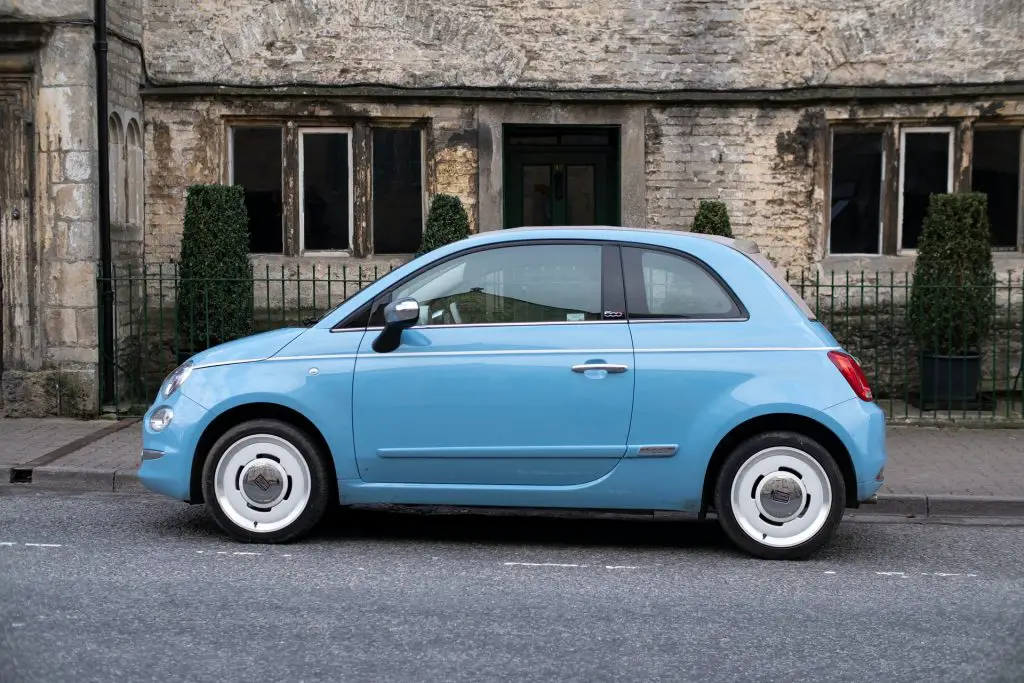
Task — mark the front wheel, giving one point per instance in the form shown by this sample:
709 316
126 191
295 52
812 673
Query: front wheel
265 481
780 496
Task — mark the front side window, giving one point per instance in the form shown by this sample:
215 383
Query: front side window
520 284
663 286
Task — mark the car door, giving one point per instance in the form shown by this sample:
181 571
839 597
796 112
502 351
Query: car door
518 373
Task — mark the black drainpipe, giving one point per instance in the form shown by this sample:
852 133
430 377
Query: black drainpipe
107 297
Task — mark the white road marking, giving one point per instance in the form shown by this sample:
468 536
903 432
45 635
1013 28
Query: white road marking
44 545
7 543
830 572
902 575
246 553
541 564
619 566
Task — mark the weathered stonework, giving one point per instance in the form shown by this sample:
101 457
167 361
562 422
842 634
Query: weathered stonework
565 44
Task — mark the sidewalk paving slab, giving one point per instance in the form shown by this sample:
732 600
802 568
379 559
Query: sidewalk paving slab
22 440
932 471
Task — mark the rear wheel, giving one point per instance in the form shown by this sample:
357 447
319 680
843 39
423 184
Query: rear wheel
266 481
780 496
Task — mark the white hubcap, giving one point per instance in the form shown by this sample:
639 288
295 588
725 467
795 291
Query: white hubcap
262 483
781 497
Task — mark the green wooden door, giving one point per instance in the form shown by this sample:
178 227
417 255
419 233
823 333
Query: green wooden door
561 188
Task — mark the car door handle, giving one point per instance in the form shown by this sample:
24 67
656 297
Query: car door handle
607 367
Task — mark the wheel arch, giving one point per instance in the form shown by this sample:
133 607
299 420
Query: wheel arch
789 422
243 413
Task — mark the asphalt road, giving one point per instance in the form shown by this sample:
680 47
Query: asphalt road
117 587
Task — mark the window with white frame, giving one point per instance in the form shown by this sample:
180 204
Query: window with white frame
300 182
926 168
882 175
325 189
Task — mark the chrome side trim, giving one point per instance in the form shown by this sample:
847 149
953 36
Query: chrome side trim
738 349
534 352
657 451
526 352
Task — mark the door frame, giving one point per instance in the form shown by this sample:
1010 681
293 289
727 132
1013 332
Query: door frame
16 96
518 155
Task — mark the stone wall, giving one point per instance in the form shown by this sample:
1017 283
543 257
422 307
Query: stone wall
759 161
565 44
59 375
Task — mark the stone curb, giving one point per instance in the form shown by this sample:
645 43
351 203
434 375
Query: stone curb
126 480
945 505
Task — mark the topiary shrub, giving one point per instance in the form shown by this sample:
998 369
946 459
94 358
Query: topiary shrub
215 288
712 219
952 297
447 222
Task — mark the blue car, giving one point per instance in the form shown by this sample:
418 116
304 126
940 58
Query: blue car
583 368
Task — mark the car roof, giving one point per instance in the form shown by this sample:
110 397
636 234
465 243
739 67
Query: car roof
743 245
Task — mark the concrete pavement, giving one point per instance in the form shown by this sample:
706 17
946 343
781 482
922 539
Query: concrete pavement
127 587
932 472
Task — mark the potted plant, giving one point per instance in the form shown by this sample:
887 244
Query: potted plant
712 219
447 222
952 298
215 277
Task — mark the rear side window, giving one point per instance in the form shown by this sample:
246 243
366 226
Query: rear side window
775 275
664 286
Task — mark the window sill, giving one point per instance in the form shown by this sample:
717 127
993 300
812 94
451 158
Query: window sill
1002 261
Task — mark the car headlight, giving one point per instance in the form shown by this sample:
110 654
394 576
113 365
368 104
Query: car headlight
161 419
176 379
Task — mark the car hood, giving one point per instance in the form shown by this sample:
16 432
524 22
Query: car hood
256 347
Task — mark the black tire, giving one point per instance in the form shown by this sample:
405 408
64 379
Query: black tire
734 462
321 492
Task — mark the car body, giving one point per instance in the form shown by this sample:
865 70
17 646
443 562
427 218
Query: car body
585 368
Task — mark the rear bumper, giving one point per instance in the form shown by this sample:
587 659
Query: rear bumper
861 426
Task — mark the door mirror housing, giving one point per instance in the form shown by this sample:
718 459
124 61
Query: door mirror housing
398 315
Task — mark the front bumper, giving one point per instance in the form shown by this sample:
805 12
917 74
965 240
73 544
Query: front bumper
862 429
167 456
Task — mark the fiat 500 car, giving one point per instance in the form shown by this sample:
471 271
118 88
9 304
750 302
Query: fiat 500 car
583 368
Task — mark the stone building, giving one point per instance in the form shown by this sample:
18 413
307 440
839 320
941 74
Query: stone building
822 125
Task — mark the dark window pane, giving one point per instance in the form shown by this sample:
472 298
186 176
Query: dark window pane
580 195
397 191
997 174
541 283
925 172
325 200
856 193
536 195
256 164
660 285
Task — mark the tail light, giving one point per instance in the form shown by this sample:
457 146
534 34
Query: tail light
851 370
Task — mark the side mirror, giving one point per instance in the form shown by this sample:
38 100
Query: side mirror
398 315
